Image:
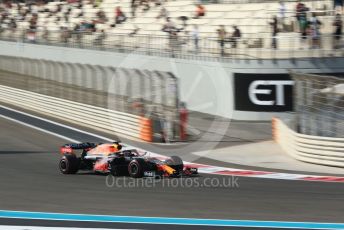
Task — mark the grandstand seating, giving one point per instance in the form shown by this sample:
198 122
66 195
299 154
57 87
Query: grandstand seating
251 18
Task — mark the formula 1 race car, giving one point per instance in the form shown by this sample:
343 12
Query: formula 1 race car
118 160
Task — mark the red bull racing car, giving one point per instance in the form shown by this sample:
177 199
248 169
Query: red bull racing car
118 160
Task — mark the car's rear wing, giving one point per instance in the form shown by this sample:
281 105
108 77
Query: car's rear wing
68 148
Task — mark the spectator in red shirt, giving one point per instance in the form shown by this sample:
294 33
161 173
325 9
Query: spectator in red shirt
200 11
119 15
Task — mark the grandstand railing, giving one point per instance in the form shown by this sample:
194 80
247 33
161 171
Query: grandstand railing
246 1
248 47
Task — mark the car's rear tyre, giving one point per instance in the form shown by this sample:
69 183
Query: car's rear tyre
136 168
176 163
69 164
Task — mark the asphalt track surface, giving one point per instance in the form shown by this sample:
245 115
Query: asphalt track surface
30 181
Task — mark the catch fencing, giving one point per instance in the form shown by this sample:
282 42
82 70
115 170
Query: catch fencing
316 134
319 107
151 94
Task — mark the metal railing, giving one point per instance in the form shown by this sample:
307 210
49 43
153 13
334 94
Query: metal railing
140 92
250 1
258 46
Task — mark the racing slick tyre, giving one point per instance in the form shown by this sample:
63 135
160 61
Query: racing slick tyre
136 168
69 164
176 163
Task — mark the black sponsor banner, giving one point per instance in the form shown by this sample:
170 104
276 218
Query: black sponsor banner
263 92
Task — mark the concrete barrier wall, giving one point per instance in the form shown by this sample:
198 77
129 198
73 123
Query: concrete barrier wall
307 148
106 120
206 86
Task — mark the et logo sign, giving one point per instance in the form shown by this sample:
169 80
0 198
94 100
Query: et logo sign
256 88
263 92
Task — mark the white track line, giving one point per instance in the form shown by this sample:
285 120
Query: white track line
39 129
58 124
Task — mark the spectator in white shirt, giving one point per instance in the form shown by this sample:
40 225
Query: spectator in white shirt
195 37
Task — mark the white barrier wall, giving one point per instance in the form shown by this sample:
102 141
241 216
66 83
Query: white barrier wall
312 149
106 120
207 87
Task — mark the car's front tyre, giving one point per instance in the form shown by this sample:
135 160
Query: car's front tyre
176 163
136 168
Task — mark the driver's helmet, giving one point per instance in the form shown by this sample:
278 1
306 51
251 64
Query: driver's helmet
115 147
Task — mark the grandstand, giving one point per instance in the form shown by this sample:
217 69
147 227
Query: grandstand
57 20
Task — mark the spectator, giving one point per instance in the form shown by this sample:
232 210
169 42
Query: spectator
274 29
338 4
58 9
65 34
303 22
12 25
235 36
163 13
119 15
99 40
31 35
221 32
298 10
169 26
133 8
83 26
184 20
45 34
101 16
66 16
314 26
78 31
174 42
282 12
195 37
200 11
33 22
91 26
338 24
145 5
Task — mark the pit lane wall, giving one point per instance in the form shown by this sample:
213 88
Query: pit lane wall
237 89
312 149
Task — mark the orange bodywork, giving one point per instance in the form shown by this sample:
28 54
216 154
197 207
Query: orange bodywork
167 169
101 166
105 149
